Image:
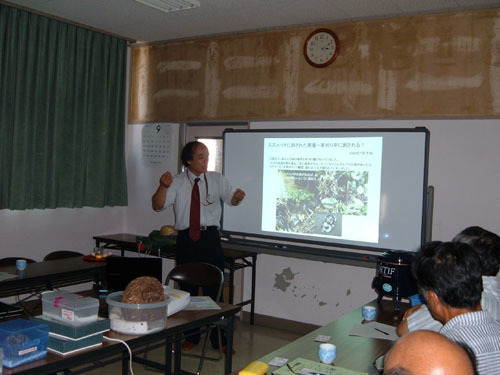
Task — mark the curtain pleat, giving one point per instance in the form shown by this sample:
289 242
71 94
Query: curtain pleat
62 114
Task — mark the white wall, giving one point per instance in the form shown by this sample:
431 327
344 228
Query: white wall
464 169
143 181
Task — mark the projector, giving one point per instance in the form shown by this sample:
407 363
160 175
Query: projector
393 276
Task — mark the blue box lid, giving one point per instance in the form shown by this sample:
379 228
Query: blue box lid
20 325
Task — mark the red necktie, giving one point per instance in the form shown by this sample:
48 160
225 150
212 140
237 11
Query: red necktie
194 213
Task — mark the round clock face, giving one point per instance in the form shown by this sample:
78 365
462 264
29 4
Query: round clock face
321 48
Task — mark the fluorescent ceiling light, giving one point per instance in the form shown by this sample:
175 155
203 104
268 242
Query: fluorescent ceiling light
171 5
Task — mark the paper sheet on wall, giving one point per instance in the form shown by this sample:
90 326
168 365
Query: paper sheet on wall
375 330
157 143
308 367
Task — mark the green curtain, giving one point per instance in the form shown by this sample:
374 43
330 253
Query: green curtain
62 114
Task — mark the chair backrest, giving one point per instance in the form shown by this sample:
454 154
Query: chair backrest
11 261
198 274
61 254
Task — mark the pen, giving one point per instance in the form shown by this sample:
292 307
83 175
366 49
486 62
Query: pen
385 333
290 368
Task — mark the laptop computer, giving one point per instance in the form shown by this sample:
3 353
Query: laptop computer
122 270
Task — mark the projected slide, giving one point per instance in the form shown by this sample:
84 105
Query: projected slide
322 187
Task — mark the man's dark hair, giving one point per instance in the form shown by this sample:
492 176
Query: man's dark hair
486 244
187 152
452 270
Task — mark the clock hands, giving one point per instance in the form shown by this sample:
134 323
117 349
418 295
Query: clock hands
327 46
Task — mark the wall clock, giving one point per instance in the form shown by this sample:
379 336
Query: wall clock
321 48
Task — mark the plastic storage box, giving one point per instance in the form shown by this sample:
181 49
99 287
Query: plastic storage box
23 341
69 307
136 318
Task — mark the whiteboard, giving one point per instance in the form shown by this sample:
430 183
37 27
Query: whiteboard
353 188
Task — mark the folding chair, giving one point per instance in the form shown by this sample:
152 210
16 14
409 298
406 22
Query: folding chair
200 275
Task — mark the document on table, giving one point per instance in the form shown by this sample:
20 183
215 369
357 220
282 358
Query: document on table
301 366
375 330
202 303
6 276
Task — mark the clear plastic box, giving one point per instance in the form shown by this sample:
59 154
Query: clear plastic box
136 318
23 341
69 307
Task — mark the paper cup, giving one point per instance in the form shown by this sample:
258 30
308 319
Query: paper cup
21 264
369 312
327 353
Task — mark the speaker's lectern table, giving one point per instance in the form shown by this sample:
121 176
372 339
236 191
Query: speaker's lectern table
233 259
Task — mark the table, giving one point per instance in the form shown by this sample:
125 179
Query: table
177 324
354 353
234 260
50 274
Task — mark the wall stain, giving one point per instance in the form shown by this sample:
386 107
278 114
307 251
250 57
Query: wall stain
348 292
283 280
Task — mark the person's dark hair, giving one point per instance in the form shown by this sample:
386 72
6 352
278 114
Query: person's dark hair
486 244
471 355
452 270
187 152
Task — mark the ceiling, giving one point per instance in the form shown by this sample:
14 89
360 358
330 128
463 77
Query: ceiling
133 20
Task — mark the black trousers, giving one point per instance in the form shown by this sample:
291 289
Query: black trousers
208 250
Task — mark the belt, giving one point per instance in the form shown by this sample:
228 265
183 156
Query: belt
203 228
208 227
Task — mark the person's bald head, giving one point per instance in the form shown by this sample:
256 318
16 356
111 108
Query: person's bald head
427 353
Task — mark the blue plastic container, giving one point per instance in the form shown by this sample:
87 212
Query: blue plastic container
23 341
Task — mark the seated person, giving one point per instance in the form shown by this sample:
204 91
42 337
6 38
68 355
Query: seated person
449 276
427 352
487 245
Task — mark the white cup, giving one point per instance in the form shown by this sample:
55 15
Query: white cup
369 312
327 353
